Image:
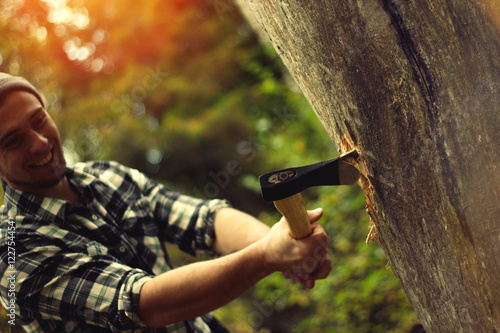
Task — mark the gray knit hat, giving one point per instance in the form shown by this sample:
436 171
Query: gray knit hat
9 83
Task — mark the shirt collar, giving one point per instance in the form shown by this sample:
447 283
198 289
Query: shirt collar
48 208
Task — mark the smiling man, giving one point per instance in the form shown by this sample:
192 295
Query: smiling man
32 158
90 239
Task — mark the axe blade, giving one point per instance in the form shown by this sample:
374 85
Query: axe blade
284 183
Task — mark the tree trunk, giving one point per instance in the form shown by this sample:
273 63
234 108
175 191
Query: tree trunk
414 86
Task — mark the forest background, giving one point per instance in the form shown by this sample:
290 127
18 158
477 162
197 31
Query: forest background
187 93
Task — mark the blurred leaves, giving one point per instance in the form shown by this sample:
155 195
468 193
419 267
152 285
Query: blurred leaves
183 91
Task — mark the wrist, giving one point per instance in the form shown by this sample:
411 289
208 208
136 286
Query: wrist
261 259
271 257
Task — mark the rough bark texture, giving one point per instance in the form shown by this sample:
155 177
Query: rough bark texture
414 86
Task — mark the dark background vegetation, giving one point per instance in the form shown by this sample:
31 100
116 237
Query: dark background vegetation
184 91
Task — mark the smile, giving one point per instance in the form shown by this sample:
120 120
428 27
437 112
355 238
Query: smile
43 161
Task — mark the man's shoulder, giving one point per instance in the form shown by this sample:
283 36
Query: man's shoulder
100 169
110 172
99 166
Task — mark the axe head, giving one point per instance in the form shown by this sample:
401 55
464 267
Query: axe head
281 184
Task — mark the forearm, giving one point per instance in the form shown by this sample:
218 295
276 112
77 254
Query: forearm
236 230
196 289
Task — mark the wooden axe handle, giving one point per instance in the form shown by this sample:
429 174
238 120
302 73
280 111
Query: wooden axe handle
295 212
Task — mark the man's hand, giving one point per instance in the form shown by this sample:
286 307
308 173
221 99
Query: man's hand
304 260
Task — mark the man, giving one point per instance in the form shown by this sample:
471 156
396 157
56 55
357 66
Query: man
89 240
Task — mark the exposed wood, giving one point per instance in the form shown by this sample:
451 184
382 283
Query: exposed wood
414 86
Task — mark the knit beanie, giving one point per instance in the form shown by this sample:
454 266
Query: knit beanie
9 83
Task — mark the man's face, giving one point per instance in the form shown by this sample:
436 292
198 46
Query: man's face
31 157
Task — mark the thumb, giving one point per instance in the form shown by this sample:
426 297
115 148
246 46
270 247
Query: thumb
315 215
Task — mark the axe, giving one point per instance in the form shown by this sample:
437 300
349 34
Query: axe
284 187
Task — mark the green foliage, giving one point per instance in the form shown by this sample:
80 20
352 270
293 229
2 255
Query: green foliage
183 91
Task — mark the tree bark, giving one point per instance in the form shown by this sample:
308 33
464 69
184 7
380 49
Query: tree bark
414 86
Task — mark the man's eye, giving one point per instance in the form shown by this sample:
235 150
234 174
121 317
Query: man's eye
39 120
12 142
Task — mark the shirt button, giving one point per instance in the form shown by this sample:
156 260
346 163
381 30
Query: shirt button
122 249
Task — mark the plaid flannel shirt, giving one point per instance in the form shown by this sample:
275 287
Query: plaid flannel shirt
80 267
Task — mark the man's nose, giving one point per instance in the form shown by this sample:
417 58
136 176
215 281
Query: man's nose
38 143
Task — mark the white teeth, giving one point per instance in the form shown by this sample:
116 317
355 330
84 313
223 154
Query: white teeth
44 161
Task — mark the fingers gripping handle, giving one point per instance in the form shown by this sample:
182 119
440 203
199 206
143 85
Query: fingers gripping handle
295 212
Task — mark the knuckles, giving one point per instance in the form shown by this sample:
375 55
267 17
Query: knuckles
308 256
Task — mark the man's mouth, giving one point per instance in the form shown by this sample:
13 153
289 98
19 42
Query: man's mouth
43 161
